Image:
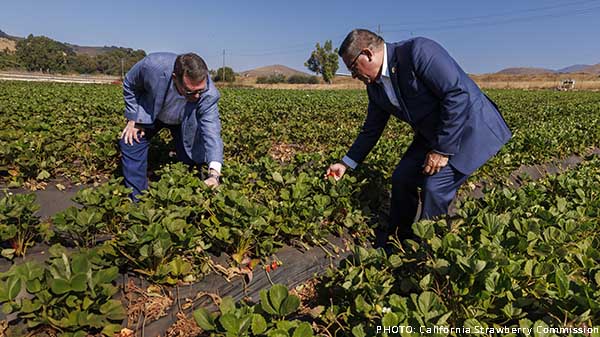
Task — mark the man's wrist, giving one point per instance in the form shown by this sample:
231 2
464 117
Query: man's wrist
349 163
212 173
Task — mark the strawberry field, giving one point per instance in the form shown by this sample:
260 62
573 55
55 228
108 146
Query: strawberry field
521 257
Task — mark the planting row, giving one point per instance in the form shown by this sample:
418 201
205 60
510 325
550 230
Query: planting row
69 132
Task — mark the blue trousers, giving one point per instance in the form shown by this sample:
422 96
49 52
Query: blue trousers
134 158
437 191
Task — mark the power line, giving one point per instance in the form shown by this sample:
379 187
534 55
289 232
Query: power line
302 47
477 24
520 11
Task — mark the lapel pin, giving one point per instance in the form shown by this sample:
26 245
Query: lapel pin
393 70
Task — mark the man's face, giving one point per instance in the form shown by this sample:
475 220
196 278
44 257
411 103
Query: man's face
362 66
192 90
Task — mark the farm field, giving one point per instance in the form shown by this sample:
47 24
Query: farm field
521 258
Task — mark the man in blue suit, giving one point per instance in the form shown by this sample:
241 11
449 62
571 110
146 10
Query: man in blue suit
166 90
456 127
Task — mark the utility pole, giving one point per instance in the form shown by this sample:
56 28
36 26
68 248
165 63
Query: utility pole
223 77
122 69
379 30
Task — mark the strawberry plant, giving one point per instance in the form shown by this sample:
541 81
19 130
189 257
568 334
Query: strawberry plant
19 226
70 294
265 319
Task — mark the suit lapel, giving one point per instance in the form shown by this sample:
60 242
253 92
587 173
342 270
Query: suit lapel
161 91
394 70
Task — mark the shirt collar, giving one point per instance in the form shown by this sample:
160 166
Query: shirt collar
384 67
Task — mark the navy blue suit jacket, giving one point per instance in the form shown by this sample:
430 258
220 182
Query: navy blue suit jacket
445 108
144 89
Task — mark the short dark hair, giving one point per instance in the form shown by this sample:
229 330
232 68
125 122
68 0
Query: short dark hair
192 66
359 39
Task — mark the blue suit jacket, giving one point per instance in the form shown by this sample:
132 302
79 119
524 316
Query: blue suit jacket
445 108
144 89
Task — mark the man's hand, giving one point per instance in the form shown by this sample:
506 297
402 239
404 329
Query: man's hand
434 162
213 180
132 132
336 171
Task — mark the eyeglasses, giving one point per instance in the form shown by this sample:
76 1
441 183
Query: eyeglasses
194 92
187 92
353 63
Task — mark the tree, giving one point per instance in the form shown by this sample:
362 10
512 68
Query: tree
110 62
324 61
224 74
42 53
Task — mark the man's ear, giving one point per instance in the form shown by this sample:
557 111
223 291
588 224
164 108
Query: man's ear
368 53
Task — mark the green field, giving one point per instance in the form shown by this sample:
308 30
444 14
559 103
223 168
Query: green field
520 258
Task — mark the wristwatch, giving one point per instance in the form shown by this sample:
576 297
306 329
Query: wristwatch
216 176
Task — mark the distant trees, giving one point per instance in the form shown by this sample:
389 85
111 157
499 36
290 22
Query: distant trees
224 74
40 53
271 79
323 60
110 62
302 79
292 79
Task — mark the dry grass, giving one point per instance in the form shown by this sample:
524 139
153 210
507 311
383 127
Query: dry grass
487 81
6 44
541 81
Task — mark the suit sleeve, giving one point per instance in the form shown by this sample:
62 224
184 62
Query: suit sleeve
209 125
133 87
370 133
436 68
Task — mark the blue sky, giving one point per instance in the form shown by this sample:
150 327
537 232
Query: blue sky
483 36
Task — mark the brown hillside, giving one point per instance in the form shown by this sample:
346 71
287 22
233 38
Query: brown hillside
272 70
525 71
595 69
7 44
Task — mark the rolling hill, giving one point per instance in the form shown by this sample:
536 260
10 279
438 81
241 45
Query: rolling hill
272 70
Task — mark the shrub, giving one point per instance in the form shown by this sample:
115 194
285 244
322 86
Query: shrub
271 79
303 79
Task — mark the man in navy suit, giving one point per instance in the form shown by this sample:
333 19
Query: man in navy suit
456 127
166 90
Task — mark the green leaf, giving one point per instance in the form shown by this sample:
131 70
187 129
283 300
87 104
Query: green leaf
358 331
80 264
14 287
113 309
277 177
111 329
390 319
425 301
303 330
361 305
289 305
230 323
43 175
227 305
8 253
106 275
204 319
28 306
7 308
562 282
539 327
259 324
33 286
71 301
265 304
277 294
424 229
79 282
